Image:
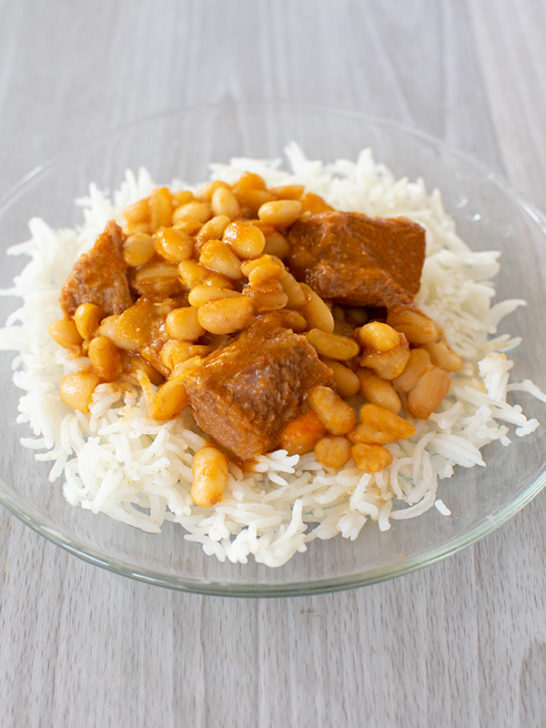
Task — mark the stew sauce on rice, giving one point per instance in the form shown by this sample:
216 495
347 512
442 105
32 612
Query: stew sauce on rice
276 319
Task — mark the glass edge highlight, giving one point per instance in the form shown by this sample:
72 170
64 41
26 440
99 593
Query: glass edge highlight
320 586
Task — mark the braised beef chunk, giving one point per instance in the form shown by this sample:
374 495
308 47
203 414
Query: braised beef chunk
100 276
357 260
243 394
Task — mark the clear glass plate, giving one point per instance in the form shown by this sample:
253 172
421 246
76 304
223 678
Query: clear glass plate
489 215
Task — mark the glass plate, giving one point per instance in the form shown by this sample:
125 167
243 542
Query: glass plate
489 215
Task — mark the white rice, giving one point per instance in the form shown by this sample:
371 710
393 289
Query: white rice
118 461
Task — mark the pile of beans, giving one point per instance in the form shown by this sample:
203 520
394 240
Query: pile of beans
219 254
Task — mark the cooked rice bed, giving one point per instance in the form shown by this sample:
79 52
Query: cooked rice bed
139 471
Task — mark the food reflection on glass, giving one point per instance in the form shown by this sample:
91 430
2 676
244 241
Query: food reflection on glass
267 359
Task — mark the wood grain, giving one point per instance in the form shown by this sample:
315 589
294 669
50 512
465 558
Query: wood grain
458 644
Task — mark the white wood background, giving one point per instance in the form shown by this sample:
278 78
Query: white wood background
458 644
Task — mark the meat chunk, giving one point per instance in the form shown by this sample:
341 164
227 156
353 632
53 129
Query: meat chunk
358 260
100 276
243 394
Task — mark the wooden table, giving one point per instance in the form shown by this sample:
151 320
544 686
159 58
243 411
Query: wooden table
458 644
